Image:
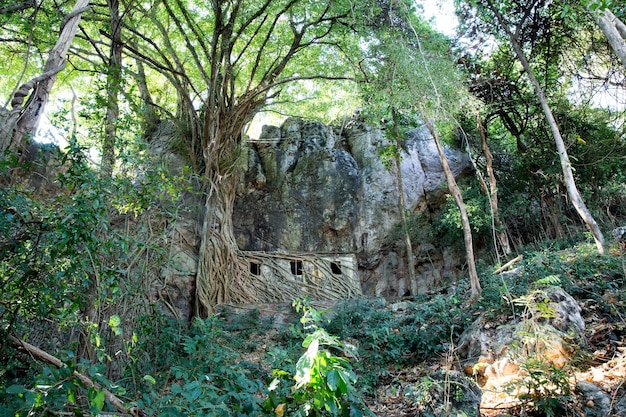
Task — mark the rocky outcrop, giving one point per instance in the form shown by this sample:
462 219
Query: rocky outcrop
313 188
544 337
309 187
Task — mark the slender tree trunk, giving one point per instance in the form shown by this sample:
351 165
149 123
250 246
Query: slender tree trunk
614 30
24 118
114 82
402 207
150 117
458 198
566 166
500 228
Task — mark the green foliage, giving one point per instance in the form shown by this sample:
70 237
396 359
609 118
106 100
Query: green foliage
324 378
199 374
388 154
30 25
545 389
399 339
447 223
410 72
64 269
58 389
440 393
45 264
534 201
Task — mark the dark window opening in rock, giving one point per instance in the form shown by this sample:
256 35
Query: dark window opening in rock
255 268
335 268
364 240
296 267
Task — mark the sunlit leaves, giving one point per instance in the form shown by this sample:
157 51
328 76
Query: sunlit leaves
26 36
410 68
323 380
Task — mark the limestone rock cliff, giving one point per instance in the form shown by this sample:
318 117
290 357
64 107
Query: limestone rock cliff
309 187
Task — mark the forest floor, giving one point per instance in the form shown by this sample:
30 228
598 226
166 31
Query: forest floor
602 365
605 367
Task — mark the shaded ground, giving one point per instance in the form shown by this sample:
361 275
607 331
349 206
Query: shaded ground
596 374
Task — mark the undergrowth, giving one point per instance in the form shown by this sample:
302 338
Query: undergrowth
581 270
389 340
61 262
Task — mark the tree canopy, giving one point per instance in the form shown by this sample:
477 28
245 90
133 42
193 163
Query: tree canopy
531 91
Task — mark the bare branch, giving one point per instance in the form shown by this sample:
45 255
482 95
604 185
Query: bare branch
88 382
93 43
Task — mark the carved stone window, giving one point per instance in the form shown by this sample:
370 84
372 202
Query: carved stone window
296 267
335 268
255 268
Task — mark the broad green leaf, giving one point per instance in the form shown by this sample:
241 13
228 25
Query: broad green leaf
343 382
115 320
274 384
96 399
16 389
305 363
332 380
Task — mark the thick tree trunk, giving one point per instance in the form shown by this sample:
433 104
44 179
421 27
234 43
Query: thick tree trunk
24 119
114 82
402 207
568 176
615 32
222 273
458 198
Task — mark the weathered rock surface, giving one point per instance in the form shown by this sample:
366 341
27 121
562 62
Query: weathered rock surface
550 331
596 402
309 187
179 274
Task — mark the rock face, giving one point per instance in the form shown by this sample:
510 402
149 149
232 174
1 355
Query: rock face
308 187
546 335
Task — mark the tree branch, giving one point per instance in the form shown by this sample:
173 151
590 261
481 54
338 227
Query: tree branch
18 97
46 357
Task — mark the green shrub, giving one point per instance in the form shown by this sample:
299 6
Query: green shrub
324 378
388 340
204 376
544 389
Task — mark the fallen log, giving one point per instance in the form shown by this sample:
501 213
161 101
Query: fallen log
508 264
108 395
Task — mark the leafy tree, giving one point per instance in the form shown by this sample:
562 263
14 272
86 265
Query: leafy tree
416 78
24 118
495 16
225 61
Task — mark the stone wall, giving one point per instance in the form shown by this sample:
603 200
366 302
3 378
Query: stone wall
313 188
